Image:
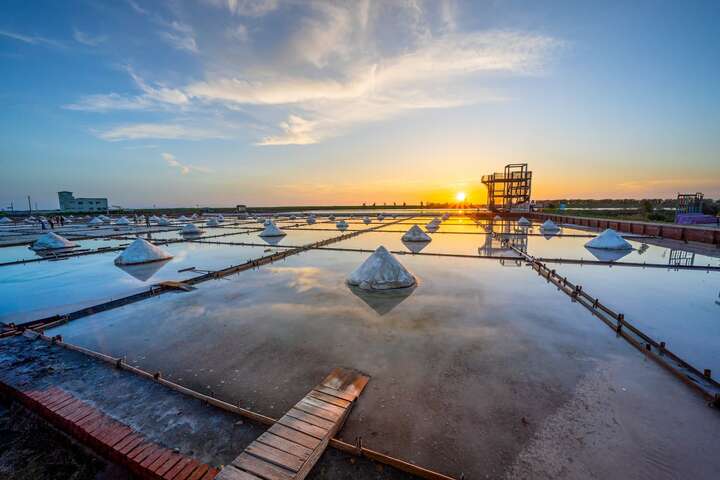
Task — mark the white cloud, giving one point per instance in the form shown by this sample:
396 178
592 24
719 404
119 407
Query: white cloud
137 7
184 169
31 39
88 40
180 37
248 8
163 131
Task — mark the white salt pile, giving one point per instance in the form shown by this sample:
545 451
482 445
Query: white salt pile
381 271
194 216
497 218
95 221
220 218
190 229
445 216
366 220
342 225
310 220
415 234
331 217
141 251
122 221
381 217
609 240
164 222
52 241
212 222
104 218
154 219
183 218
524 222
292 217
268 222
271 230
5 221
549 226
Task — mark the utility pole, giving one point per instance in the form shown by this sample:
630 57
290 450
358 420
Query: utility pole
29 205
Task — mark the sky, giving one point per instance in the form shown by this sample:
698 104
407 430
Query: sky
289 102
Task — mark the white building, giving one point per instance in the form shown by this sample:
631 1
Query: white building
72 204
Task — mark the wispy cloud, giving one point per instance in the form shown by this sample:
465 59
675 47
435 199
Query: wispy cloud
181 37
184 169
163 131
137 8
31 39
87 39
248 8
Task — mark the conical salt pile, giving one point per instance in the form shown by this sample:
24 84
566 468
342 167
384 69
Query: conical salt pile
220 218
524 222
381 271
609 240
5 221
293 217
154 219
190 229
164 222
436 221
104 218
183 218
446 216
381 217
141 251
342 225
549 226
268 222
310 220
212 222
194 216
497 218
95 221
52 241
272 230
366 220
415 234
122 221
331 217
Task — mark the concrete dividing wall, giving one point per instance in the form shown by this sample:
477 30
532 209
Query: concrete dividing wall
690 233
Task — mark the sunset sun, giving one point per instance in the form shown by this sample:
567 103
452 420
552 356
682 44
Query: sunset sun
460 196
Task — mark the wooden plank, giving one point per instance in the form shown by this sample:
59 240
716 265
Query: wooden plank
330 399
260 468
303 427
285 445
294 436
339 411
335 393
311 419
274 455
229 472
187 470
317 411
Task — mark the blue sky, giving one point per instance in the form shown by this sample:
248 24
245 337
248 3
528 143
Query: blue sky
219 102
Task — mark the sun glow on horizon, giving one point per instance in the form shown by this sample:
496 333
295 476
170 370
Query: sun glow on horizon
460 196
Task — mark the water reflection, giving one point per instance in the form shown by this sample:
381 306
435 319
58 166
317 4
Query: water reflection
273 240
143 271
605 255
415 247
382 302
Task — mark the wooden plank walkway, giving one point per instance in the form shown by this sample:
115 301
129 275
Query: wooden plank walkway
112 439
291 447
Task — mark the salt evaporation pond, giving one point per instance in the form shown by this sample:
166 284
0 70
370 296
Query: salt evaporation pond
574 248
22 252
42 289
455 363
681 308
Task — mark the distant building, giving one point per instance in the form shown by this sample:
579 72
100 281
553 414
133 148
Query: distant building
72 204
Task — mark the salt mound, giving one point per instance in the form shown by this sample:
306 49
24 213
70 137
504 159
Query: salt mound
310 220
212 222
272 230
122 221
415 234
141 251
431 227
342 225
5 220
524 222
190 229
183 218
497 217
164 222
95 221
154 219
436 221
194 216
549 226
366 220
445 216
331 217
52 241
609 240
381 271
220 218
268 222
293 217
104 218
381 217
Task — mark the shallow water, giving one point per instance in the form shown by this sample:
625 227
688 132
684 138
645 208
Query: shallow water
41 289
22 252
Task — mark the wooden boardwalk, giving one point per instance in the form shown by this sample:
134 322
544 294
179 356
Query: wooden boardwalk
291 447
